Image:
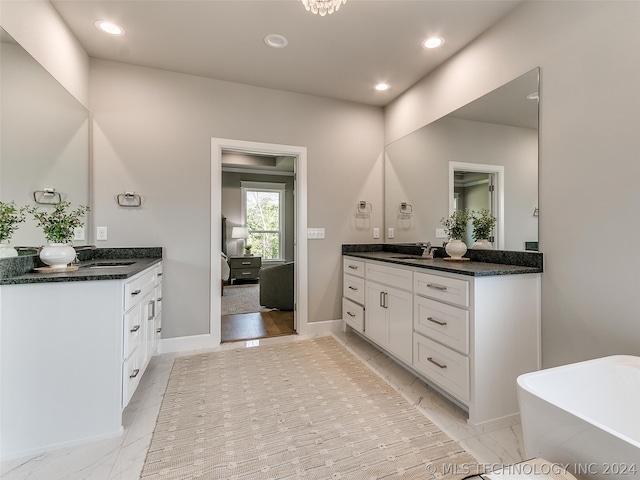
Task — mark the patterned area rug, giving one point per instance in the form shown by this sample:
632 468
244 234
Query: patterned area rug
241 299
306 409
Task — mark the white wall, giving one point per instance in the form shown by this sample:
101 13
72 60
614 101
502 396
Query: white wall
39 29
152 132
590 112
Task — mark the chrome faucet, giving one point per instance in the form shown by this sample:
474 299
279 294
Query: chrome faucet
427 249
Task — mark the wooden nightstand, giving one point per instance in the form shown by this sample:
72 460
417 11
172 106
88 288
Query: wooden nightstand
245 268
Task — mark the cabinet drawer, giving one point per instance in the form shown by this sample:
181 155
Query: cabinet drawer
447 324
353 314
353 288
245 262
395 277
245 273
137 288
131 373
132 331
449 369
353 267
447 289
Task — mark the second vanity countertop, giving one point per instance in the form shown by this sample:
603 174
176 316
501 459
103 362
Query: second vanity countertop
470 268
111 264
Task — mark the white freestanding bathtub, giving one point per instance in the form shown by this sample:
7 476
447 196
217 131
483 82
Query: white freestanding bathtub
585 416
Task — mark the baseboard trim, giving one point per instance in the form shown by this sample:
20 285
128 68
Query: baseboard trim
182 344
324 327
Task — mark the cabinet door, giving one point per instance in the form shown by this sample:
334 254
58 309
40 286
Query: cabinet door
376 321
400 311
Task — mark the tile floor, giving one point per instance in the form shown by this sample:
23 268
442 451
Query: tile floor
122 458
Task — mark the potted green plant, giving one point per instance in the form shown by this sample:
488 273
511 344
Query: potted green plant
58 227
456 226
482 222
10 217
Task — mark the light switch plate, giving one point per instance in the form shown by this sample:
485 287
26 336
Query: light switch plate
376 233
441 233
391 232
315 233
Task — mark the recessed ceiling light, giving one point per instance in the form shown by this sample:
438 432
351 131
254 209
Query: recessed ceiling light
110 27
433 42
381 87
276 41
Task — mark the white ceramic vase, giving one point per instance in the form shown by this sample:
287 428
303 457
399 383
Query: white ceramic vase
456 248
57 255
482 244
7 250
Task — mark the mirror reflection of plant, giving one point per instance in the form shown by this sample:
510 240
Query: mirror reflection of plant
58 225
483 222
10 217
456 224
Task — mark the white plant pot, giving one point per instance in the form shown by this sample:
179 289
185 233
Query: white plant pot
482 244
57 255
456 248
7 250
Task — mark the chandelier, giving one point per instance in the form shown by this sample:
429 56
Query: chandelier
323 7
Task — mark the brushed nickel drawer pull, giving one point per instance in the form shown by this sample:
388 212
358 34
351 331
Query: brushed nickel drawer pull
135 373
135 329
136 292
158 330
246 273
436 286
160 274
159 299
436 363
246 263
353 267
353 288
431 319
351 314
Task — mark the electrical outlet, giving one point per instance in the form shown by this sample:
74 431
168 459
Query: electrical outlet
441 233
78 233
376 233
391 232
101 233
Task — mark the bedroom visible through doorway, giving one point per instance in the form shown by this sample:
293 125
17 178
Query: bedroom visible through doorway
258 231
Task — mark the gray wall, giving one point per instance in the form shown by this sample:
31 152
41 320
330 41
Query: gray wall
590 112
232 206
152 134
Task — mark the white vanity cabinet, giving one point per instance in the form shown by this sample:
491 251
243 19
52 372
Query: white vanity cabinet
72 354
388 310
467 336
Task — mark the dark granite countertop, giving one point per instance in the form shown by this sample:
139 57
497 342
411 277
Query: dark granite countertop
475 267
95 264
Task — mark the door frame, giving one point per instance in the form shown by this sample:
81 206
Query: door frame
218 145
498 172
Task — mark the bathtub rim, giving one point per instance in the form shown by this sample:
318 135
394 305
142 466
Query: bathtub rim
524 384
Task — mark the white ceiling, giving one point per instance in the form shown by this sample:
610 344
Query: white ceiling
338 56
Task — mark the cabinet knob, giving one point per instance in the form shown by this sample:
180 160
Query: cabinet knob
158 330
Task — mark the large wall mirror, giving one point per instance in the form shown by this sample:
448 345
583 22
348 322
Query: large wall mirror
483 154
45 141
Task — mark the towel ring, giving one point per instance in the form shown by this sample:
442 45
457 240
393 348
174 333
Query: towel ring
129 199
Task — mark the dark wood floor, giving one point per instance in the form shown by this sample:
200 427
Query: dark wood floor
249 326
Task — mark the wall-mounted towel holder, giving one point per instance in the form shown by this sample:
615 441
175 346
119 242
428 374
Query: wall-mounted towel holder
364 208
47 196
129 199
406 208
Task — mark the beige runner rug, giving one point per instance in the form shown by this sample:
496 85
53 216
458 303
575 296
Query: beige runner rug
306 409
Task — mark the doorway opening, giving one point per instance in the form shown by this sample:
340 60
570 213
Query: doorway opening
262 205
476 186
